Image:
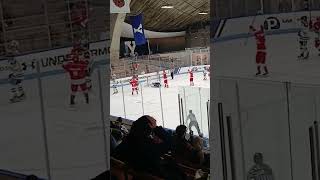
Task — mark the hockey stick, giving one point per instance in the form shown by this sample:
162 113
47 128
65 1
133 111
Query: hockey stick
310 16
248 34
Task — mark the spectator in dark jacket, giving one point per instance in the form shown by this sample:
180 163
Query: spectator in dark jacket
144 145
184 151
32 177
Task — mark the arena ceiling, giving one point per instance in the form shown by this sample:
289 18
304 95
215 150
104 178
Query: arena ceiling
183 13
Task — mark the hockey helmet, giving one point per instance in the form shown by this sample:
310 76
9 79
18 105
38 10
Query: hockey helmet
74 54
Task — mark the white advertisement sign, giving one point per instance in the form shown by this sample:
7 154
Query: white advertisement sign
52 60
271 22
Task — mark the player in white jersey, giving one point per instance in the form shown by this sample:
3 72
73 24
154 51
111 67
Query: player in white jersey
115 87
204 74
16 75
115 84
260 171
303 43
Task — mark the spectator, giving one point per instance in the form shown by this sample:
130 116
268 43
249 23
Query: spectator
113 144
284 6
103 176
119 126
197 144
32 177
184 151
79 14
260 170
143 147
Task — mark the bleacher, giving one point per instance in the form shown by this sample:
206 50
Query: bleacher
156 62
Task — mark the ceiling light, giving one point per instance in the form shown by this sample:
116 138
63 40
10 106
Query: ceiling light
203 13
167 7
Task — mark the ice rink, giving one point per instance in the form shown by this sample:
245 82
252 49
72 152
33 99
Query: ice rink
134 108
75 137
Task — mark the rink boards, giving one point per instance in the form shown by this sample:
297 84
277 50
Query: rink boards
75 137
271 115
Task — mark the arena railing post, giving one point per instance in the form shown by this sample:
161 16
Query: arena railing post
102 114
44 125
123 101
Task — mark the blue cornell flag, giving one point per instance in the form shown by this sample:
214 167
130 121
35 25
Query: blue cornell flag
138 31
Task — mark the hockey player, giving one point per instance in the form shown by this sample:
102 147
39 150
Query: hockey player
165 79
303 42
204 74
77 70
172 69
85 55
193 122
15 78
134 85
191 77
114 86
316 29
16 73
261 50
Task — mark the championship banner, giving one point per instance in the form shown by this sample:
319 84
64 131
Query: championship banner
138 31
200 58
119 6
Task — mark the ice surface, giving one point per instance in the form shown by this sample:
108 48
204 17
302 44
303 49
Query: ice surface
152 103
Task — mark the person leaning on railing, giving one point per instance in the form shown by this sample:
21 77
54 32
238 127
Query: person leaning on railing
187 152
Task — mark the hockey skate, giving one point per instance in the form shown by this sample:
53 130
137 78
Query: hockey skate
15 99
258 74
72 102
266 74
304 56
86 95
22 97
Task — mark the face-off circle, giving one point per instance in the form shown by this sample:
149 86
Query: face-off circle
119 3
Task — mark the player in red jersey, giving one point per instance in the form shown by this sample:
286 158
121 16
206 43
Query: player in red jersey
191 77
77 70
134 85
165 79
261 49
316 29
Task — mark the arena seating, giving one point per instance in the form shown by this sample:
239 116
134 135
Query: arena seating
46 24
121 170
